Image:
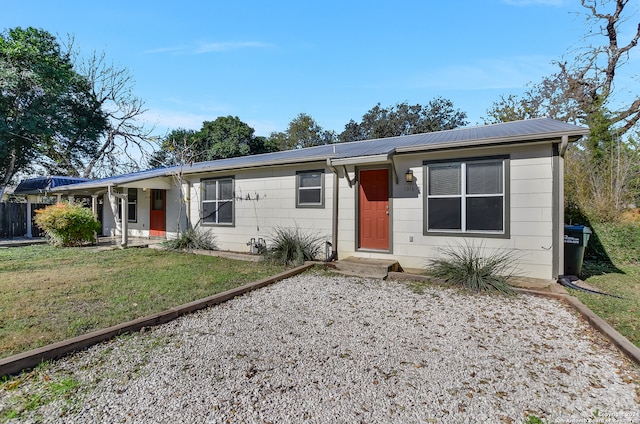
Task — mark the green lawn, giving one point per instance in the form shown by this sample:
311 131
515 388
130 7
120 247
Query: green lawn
50 294
621 280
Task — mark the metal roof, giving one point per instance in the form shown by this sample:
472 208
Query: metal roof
41 185
502 133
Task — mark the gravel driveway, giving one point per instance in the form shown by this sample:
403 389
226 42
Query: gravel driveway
323 349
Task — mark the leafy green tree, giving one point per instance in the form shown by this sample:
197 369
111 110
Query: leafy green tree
227 137
404 119
178 147
303 131
42 99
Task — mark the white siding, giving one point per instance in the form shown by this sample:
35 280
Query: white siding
265 199
530 215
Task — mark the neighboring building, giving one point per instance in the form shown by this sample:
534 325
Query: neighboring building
37 191
397 198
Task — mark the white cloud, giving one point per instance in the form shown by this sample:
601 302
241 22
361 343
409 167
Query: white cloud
210 47
515 72
221 47
556 3
167 120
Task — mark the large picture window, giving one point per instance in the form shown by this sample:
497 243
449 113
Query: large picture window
132 206
466 196
217 201
310 189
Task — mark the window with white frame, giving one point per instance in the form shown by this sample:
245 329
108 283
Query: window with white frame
132 206
310 189
466 196
217 201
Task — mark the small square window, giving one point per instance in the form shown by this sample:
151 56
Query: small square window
310 189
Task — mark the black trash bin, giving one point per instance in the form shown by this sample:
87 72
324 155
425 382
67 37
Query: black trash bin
576 238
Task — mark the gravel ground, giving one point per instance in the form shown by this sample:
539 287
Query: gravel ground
323 349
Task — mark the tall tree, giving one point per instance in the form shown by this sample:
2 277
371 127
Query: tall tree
126 138
178 147
584 85
42 98
303 131
227 137
599 170
404 119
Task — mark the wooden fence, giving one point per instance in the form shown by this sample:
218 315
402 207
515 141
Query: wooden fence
13 220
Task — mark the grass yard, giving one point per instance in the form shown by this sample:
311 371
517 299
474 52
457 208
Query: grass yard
624 281
50 294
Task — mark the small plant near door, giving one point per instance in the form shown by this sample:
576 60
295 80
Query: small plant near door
474 268
67 224
291 246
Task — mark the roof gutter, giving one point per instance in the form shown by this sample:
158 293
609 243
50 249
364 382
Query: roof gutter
570 137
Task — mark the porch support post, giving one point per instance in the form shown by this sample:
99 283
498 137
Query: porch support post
124 216
59 197
125 220
94 210
29 228
94 204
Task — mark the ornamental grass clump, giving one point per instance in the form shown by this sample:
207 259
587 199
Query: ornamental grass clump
68 224
290 246
192 239
473 268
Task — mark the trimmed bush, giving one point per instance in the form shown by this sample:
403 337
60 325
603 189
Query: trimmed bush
67 224
192 239
290 246
470 267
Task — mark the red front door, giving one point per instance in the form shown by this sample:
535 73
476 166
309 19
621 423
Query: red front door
157 218
374 209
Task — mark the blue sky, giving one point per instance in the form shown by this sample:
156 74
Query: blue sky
268 61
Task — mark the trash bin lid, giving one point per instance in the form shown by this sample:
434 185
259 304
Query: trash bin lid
578 228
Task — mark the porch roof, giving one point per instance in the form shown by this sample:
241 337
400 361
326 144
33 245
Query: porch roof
42 185
531 130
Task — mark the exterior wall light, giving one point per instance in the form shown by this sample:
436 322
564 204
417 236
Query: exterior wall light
408 177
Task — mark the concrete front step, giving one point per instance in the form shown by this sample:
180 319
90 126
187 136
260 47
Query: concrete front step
367 267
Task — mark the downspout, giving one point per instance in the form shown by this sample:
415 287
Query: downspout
334 219
188 204
558 216
124 218
563 145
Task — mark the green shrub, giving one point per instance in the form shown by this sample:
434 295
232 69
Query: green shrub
192 239
290 246
470 267
67 224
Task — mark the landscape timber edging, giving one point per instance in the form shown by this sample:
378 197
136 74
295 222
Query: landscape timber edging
32 358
